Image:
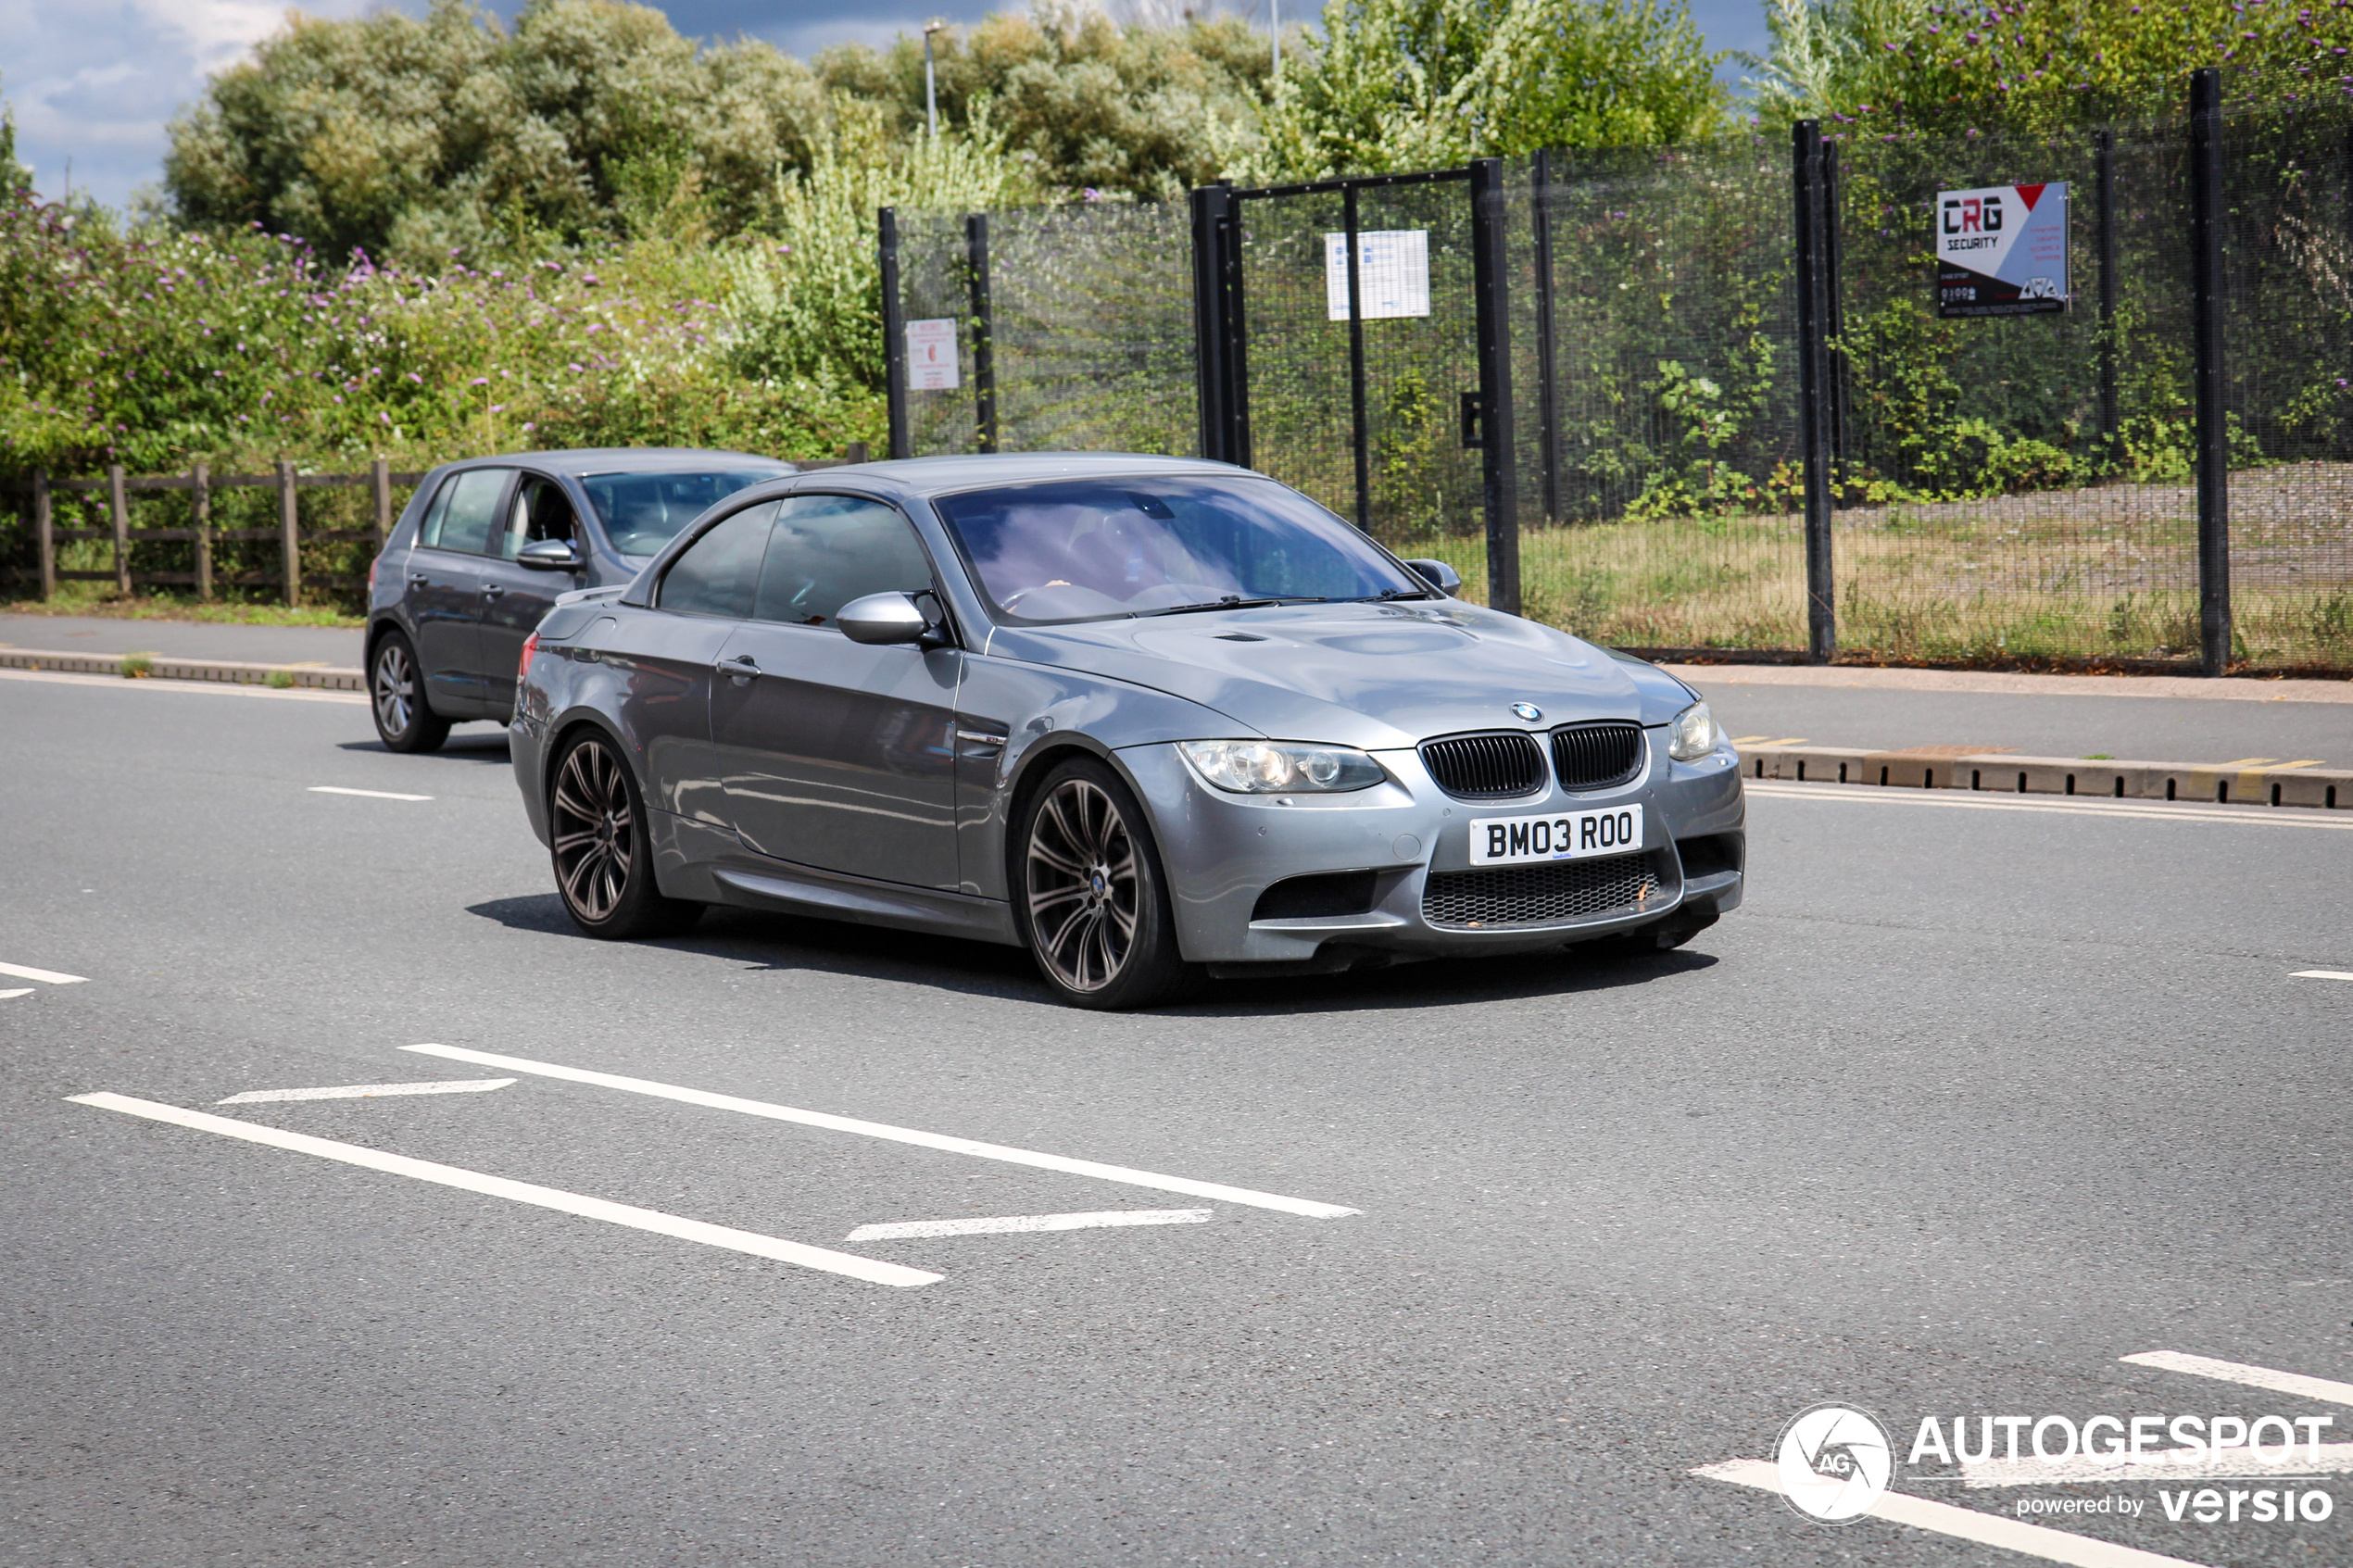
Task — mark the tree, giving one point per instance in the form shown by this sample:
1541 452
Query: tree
1905 65
1416 83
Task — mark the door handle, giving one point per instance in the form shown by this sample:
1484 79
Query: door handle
492 589
743 667
420 578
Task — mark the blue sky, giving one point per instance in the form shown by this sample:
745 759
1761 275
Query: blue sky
97 80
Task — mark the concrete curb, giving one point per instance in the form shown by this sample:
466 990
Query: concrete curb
2009 774
310 676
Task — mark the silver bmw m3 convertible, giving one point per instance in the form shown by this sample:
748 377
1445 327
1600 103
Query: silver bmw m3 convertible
1150 717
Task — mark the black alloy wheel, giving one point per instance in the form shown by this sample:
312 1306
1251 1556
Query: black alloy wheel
405 720
1094 911
604 866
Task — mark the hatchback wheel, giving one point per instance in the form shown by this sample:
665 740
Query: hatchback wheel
604 865
396 692
1093 907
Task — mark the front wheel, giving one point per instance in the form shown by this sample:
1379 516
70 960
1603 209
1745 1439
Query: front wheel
1093 907
604 864
405 720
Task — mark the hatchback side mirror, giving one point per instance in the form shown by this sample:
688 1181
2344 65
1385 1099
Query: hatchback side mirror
1444 578
884 618
550 554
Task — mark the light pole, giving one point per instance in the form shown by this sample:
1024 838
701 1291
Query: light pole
931 84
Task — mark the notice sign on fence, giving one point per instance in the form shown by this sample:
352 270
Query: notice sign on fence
931 355
2002 250
1392 272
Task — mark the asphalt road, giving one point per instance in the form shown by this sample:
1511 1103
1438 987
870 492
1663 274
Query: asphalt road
1971 1100
235 642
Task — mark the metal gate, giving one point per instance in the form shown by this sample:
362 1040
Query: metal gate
1352 341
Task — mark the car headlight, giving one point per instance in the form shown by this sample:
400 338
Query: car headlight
1259 767
1692 734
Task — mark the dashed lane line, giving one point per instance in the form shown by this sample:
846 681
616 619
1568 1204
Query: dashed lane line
47 976
2321 974
1186 1185
2304 1460
21 991
1970 800
899 1229
625 1214
369 1091
2326 1390
1967 1524
371 793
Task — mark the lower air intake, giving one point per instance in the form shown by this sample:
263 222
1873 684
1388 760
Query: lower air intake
1565 890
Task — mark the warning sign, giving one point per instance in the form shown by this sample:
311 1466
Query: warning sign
931 355
2002 250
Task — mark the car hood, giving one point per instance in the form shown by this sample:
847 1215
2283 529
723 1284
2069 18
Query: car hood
1367 675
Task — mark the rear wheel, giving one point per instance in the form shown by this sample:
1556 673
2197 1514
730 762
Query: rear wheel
1093 906
396 691
604 865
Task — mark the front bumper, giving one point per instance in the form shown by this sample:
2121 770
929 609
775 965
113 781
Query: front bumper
1222 851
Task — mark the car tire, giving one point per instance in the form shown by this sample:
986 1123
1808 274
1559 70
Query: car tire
405 720
598 845
1089 895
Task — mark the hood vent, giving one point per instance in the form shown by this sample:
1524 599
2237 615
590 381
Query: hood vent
1485 767
1597 756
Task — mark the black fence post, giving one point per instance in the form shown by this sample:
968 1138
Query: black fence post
1498 473
984 333
1547 346
1834 303
894 316
2213 429
1216 304
1813 388
1358 434
2104 145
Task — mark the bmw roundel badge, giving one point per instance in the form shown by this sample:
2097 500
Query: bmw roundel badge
1528 711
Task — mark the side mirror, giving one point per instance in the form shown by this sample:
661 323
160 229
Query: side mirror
550 554
1444 578
883 618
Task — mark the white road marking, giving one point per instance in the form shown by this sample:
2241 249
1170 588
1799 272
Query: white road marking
898 1229
26 991
1968 1523
1973 800
370 1091
523 1192
1185 1184
215 688
2321 974
2208 1464
2324 1389
47 976
371 793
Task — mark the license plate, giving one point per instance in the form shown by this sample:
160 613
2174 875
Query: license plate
1568 835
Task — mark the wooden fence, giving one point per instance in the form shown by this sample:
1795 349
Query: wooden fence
202 484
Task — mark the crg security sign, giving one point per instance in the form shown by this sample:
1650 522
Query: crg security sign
2001 250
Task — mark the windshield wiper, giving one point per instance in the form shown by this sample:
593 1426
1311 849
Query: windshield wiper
1231 601
1388 595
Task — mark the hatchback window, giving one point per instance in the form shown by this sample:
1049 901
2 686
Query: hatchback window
830 549
469 517
540 511
644 511
719 572
1091 549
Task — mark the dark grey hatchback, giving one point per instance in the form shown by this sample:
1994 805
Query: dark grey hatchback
485 547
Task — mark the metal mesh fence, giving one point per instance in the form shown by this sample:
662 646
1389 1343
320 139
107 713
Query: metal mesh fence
1089 310
1654 401
2003 488
1417 487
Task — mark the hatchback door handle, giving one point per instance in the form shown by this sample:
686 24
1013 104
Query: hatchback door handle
418 577
743 666
492 589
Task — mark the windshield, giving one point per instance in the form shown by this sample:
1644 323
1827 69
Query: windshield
641 511
1091 549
